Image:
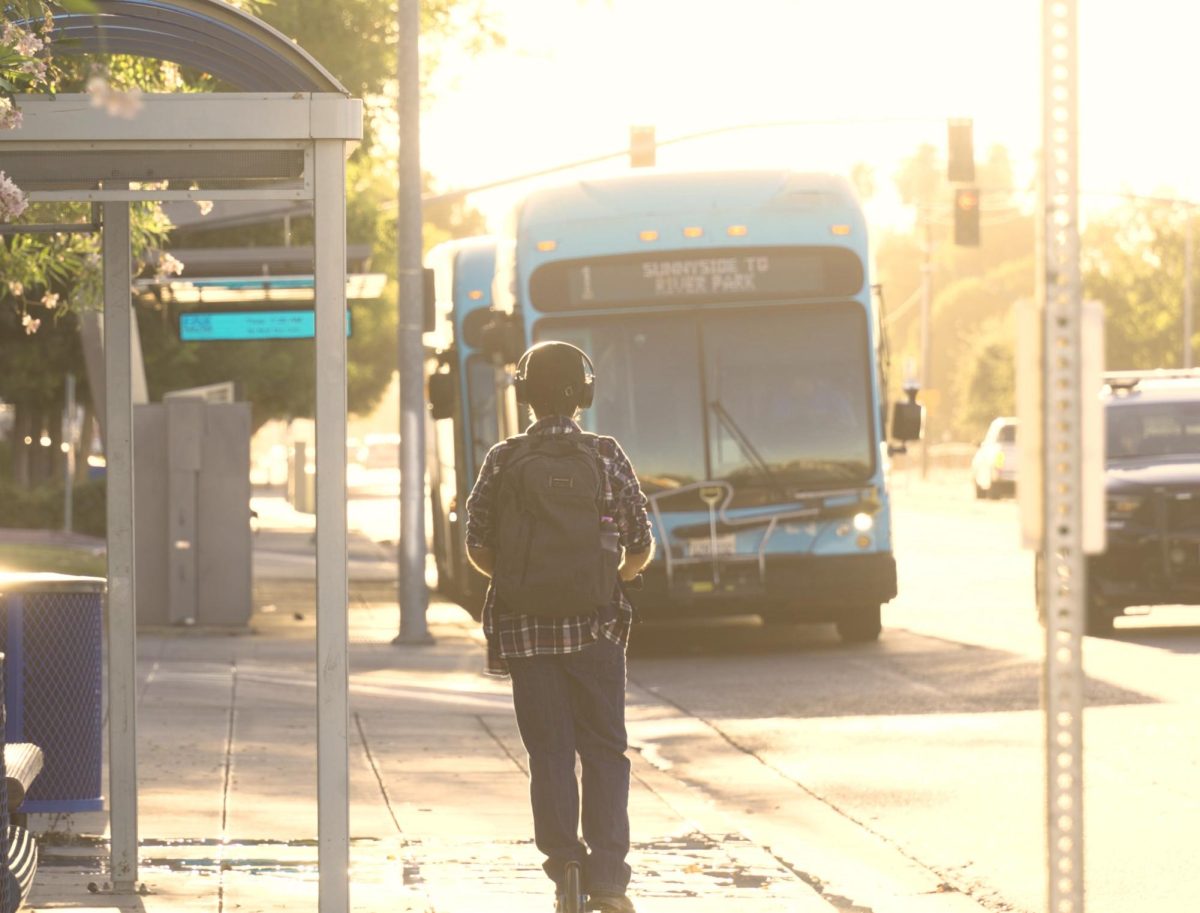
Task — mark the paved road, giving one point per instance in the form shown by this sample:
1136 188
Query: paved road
919 759
932 738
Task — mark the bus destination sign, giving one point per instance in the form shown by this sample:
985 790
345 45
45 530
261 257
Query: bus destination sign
722 275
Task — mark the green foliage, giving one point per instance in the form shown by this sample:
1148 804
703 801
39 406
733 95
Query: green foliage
972 289
1133 263
355 40
992 388
52 559
41 507
35 366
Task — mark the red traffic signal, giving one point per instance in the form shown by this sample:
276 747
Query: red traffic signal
966 216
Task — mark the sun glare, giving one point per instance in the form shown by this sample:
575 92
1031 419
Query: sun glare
843 84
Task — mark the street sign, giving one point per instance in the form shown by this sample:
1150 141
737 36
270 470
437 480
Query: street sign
207 326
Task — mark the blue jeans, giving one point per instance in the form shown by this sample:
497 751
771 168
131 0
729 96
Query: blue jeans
575 703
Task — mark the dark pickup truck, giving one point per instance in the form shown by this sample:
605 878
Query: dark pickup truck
1152 486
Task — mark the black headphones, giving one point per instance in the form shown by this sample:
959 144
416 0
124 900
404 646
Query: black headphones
583 398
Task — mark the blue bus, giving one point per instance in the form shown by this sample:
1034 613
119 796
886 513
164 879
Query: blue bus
462 398
738 354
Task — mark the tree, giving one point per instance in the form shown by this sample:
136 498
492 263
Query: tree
355 40
973 289
1133 262
992 388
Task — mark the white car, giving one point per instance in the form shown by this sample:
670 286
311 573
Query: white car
994 466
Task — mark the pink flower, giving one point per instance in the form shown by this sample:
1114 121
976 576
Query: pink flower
10 115
27 44
169 265
30 324
116 102
50 301
12 200
35 67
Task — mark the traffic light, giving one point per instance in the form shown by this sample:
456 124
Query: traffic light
642 147
966 216
960 146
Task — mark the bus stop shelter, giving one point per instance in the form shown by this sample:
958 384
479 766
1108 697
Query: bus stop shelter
283 134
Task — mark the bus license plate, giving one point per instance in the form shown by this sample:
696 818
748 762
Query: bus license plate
704 548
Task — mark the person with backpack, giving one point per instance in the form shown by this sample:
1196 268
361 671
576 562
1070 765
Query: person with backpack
558 520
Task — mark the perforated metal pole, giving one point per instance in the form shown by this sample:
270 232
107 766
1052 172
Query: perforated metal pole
1063 565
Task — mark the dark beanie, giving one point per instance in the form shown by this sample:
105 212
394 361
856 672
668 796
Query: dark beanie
550 370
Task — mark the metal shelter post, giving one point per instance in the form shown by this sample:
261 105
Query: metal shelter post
1063 567
122 610
333 702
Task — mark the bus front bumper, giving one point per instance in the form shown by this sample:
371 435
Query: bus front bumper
804 587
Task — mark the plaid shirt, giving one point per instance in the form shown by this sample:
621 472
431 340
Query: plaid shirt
528 635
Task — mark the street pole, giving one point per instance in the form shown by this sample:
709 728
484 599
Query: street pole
1063 567
68 437
413 595
926 329
1187 288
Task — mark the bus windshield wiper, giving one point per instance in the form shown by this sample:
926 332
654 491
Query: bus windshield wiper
747 446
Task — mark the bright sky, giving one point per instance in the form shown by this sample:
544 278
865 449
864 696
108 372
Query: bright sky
576 75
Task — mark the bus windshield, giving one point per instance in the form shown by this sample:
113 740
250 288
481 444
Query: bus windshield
774 401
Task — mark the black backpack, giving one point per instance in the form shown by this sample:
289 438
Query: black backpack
556 554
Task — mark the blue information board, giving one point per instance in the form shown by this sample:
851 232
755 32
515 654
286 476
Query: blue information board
203 326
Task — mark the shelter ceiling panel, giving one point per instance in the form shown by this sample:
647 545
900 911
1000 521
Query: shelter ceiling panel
84 168
212 36
189 119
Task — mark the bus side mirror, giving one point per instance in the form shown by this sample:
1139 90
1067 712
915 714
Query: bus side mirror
475 327
908 421
441 395
502 339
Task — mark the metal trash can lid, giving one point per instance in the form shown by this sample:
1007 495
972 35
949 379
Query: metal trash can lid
21 582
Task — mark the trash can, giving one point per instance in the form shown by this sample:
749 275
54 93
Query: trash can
51 631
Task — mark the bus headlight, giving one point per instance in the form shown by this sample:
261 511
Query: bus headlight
863 522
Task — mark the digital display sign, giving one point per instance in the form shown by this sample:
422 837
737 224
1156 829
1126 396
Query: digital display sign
738 274
205 326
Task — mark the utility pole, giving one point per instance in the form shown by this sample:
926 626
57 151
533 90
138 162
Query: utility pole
68 439
413 595
926 327
1187 287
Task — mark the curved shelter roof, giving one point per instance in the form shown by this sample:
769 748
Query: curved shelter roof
206 34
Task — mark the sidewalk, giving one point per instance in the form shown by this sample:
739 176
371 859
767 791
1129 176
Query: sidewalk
439 812
439 805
